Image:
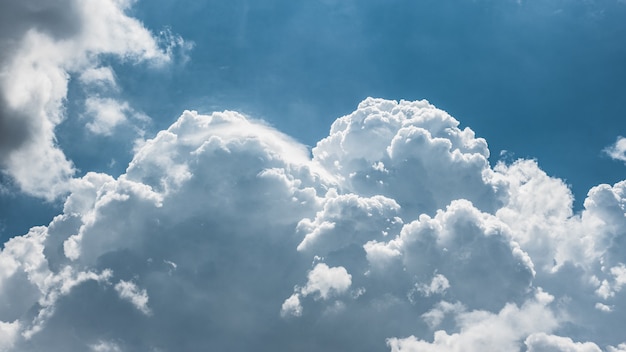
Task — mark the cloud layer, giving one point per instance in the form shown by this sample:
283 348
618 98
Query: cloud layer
395 234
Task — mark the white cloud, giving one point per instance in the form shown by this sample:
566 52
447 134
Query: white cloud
326 281
415 242
469 249
620 348
99 76
438 285
8 334
609 287
537 213
435 316
130 292
105 114
486 331
542 342
291 306
617 151
43 44
347 218
603 307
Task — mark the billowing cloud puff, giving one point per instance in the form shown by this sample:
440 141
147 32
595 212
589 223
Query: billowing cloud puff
42 44
412 153
395 234
464 247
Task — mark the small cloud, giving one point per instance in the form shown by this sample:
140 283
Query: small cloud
603 307
174 46
104 346
327 281
435 316
8 334
291 306
128 291
323 281
108 113
617 151
438 285
102 77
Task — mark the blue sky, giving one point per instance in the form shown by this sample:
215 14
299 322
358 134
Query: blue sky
92 116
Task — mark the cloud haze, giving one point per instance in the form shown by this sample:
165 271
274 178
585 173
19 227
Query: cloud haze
394 234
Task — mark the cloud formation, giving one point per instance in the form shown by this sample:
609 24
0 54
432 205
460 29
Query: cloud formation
43 45
394 234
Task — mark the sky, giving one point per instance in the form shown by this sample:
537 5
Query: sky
340 175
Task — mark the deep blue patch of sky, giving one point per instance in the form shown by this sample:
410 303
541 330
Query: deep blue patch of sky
541 79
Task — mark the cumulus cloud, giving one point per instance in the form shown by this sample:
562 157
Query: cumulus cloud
394 234
43 44
546 343
617 151
323 282
486 331
326 281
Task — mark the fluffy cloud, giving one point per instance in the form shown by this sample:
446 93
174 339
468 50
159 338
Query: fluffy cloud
43 43
107 113
412 153
547 343
323 282
617 151
486 331
395 234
